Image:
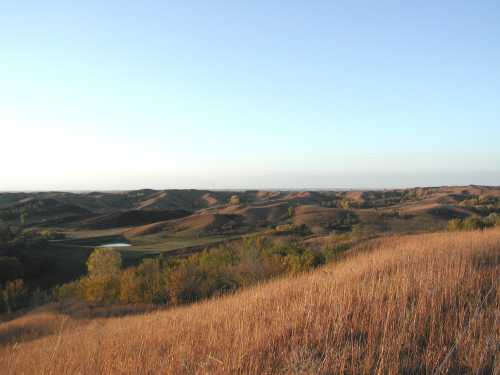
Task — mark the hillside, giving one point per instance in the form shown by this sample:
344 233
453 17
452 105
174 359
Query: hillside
257 207
180 222
403 304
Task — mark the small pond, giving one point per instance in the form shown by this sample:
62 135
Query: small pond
118 244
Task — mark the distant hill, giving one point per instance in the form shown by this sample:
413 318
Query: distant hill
322 211
131 218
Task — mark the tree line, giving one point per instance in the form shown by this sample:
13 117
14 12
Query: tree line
176 281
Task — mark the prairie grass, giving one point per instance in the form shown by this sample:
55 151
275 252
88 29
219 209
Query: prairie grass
405 304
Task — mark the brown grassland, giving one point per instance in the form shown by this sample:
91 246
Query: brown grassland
403 304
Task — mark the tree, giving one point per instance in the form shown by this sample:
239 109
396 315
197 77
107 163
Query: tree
101 288
183 283
103 281
103 262
151 281
130 286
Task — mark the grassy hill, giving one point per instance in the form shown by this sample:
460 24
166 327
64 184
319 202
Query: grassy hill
403 304
182 222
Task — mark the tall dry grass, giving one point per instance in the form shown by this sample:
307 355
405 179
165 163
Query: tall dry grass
416 304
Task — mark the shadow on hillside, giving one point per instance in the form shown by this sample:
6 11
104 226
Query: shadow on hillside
89 311
20 332
55 318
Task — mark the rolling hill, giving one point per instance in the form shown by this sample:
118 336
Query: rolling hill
403 304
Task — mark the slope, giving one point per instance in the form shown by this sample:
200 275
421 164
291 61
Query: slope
405 304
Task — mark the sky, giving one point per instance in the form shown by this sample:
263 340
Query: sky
107 95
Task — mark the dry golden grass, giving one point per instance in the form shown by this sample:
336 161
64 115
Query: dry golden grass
414 304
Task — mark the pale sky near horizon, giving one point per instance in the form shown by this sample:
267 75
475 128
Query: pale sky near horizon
262 94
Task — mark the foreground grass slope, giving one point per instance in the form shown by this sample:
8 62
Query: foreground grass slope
413 304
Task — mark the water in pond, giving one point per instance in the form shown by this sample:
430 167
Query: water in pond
118 244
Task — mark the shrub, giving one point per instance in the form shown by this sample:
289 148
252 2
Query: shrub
69 291
305 260
331 254
455 225
473 223
302 229
492 220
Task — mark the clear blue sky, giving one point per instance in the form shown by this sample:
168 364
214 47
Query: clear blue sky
248 94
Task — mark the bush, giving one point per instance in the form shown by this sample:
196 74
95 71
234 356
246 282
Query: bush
492 220
455 225
301 230
303 260
473 223
69 291
332 254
